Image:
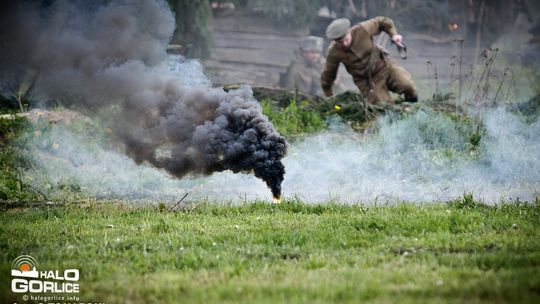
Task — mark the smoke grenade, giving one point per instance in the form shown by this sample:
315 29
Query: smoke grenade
226 132
108 57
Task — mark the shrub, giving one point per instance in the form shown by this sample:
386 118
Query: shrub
293 120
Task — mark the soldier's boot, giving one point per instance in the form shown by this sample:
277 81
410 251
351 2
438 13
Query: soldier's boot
411 96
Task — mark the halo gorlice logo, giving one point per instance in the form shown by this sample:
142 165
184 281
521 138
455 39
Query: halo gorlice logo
26 278
24 266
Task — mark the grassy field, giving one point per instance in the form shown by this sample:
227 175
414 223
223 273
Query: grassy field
293 252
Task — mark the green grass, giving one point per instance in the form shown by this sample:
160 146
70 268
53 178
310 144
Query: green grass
293 120
14 135
256 252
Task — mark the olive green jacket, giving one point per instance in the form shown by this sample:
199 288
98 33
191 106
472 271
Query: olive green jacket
304 76
361 57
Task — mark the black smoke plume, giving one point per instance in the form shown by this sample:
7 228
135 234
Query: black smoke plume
108 57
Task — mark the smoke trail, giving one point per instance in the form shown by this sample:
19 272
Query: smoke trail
420 158
109 57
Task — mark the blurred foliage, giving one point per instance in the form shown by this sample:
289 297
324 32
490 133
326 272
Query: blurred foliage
194 19
13 140
291 14
450 131
294 119
352 108
194 27
490 17
15 89
441 97
441 126
25 145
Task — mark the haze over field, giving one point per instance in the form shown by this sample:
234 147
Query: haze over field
178 128
420 158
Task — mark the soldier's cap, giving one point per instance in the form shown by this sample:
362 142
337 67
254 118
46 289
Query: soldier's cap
338 28
311 43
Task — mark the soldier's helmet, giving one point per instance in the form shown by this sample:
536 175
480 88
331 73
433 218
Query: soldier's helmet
338 28
311 43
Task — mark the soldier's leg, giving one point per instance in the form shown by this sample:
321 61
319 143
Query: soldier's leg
400 81
363 87
382 92
377 93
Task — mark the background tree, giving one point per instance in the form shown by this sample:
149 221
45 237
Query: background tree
193 27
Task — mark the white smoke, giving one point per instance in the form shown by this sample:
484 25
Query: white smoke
67 158
420 158
398 165
188 71
413 159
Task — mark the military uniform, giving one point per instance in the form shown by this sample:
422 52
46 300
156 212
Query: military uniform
373 73
304 75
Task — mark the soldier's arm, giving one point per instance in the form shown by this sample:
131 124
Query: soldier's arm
329 73
376 25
